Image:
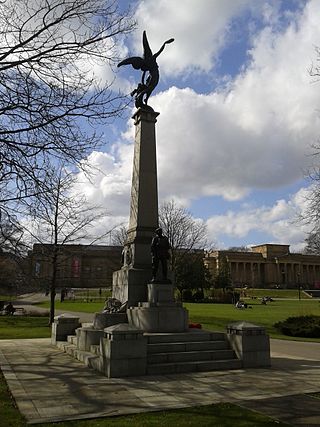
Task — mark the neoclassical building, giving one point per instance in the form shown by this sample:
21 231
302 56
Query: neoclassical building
268 265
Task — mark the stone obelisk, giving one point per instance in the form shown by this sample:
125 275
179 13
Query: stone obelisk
130 283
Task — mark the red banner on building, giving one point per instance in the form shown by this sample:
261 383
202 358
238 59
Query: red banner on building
76 267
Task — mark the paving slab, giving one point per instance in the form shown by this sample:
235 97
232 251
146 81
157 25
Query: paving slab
49 385
299 410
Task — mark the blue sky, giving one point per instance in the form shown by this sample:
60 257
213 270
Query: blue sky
238 116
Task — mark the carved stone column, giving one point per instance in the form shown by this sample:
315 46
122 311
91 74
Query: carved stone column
130 283
144 191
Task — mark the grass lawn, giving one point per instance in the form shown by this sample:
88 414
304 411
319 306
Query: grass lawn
76 305
7 297
217 316
12 327
275 293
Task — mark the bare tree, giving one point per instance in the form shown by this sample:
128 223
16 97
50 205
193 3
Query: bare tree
62 217
119 235
188 239
239 249
310 215
313 243
184 232
50 99
12 235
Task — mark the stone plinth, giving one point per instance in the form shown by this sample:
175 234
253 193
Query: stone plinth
130 284
63 326
104 320
161 294
86 337
250 343
159 319
161 313
124 351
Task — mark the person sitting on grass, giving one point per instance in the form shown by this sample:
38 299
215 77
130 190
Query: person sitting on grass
9 309
241 304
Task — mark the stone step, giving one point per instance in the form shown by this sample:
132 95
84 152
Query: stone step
67 347
191 335
72 339
190 356
94 361
87 325
199 366
187 346
62 344
95 349
86 357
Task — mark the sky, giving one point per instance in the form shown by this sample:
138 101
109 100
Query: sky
239 114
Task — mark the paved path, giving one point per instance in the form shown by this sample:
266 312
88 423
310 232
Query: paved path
49 385
295 349
28 302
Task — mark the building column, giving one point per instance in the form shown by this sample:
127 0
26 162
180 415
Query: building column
252 274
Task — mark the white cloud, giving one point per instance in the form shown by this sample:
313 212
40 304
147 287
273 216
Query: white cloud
279 222
109 183
254 134
200 29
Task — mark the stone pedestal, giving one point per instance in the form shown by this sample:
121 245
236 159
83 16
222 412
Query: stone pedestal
161 294
159 319
104 320
63 326
250 343
160 313
130 284
124 351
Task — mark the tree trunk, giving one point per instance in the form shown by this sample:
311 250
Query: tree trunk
53 286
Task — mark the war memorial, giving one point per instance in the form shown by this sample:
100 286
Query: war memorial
144 330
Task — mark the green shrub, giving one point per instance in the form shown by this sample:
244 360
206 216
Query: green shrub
187 295
301 326
198 296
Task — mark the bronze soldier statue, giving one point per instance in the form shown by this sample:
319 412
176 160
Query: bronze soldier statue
160 248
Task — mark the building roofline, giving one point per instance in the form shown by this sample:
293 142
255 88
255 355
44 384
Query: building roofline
269 244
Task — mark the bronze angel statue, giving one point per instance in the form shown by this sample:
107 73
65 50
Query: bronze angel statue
147 64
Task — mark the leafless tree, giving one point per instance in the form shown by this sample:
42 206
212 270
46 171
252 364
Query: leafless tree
313 243
62 217
51 101
185 233
12 235
188 240
119 235
310 215
239 249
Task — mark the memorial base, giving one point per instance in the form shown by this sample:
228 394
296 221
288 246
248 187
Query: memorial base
64 326
161 313
104 320
250 343
129 284
159 319
124 351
